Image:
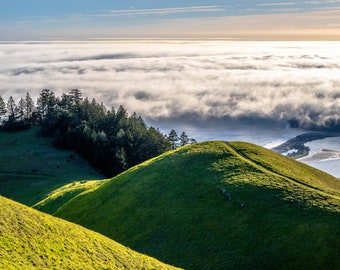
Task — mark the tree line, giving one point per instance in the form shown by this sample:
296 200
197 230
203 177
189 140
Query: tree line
110 139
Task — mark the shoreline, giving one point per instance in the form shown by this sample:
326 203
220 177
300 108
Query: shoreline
295 148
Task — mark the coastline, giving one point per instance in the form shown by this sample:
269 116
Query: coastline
295 148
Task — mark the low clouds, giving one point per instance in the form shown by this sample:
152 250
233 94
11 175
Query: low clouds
255 81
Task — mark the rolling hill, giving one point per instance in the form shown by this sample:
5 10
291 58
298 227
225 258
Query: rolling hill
31 168
33 240
60 196
218 205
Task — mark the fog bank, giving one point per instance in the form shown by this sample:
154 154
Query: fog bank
294 83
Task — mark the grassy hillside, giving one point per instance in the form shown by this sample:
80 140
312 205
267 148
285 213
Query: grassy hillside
302 175
275 213
33 240
60 196
30 167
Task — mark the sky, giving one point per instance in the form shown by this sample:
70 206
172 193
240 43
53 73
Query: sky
233 19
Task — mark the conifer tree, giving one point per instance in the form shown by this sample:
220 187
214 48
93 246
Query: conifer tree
46 104
3 109
173 139
11 109
75 97
29 106
20 109
184 140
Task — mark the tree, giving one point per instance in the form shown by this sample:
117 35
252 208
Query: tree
75 97
46 104
75 101
3 109
20 109
64 103
11 123
29 107
11 109
173 139
184 140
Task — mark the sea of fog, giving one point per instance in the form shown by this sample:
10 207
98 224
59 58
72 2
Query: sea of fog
212 89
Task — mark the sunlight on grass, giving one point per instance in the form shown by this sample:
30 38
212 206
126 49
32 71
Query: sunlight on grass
33 240
173 208
63 194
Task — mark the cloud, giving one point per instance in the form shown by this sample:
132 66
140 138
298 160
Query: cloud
74 18
277 4
162 11
187 80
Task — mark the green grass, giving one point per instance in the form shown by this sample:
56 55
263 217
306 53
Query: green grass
288 167
31 168
283 215
60 196
33 240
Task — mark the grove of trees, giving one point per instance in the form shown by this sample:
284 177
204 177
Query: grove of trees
110 139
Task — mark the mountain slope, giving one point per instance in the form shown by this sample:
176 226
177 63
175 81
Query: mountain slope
218 205
33 240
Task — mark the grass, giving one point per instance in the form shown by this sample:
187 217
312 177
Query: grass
299 172
31 168
60 196
33 240
282 215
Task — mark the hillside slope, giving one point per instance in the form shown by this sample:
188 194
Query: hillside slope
218 205
33 240
58 197
30 167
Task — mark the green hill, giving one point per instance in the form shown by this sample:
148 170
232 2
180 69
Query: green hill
31 168
218 205
32 240
60 196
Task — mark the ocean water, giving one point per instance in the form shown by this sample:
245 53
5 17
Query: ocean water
324 155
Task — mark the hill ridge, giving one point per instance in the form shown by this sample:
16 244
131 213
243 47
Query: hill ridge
263 167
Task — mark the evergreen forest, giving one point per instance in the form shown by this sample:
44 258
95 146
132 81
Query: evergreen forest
110 139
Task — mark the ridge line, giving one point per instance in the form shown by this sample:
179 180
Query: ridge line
275 173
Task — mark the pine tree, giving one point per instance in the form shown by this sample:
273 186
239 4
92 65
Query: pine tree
3 109
29 107
20 109
11 109
173 139
75 97
46 104
184 140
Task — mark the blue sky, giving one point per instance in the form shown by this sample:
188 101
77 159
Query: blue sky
84 19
